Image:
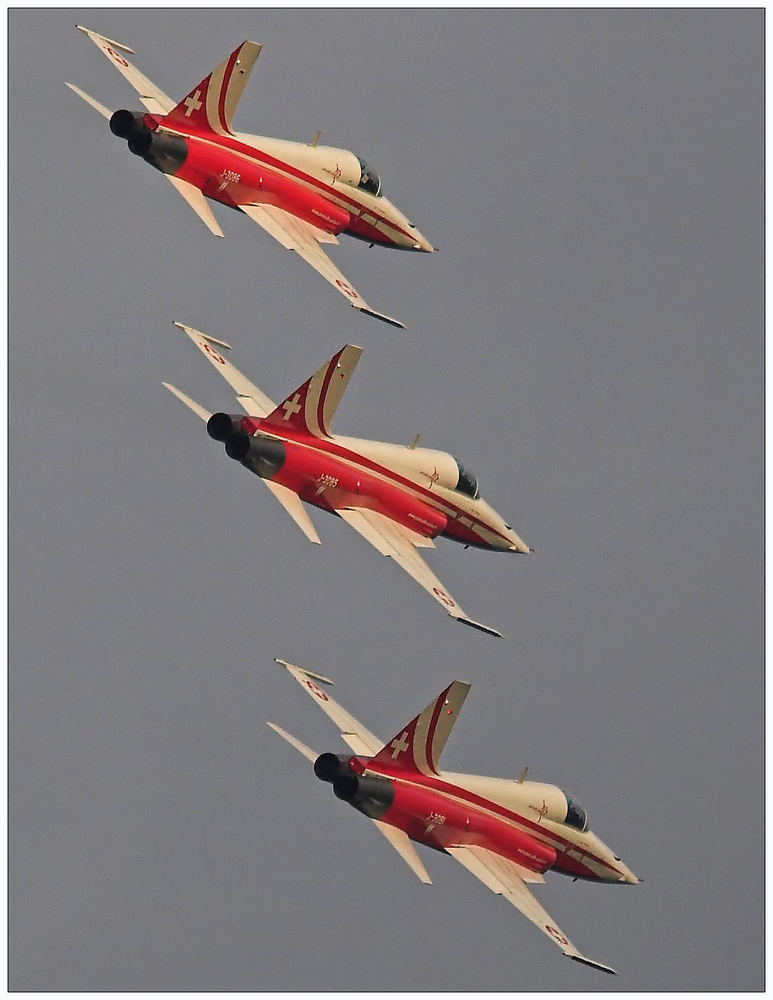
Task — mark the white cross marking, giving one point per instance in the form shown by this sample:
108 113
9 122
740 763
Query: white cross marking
192 103
399 745
291 406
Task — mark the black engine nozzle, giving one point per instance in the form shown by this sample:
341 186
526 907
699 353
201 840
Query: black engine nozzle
126 123
220 426
161 150
368 794
238 446
329 766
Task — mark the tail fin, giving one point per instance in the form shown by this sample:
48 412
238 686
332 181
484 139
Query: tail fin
419 745
311 407
212 103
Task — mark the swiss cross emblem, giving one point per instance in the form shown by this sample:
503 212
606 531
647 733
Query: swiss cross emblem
292 406
192 103
399 745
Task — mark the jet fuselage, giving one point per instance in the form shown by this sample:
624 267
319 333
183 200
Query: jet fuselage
531 823
318 184
417 487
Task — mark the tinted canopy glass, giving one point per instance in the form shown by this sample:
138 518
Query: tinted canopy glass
575 814
369 179
467 482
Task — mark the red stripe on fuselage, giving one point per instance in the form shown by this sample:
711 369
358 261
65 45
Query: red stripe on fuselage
266 159
329 446
456 791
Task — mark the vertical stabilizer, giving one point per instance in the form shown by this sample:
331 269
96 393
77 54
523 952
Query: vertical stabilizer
311 406
212 103
418 745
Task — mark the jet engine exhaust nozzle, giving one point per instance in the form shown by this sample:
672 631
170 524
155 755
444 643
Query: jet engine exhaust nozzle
161 150
263 456
221 426
369 795
126 123
237 446
329 766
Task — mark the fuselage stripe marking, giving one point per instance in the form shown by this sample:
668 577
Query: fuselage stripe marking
265 159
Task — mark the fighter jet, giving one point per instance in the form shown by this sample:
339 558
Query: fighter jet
398 497
507 833
302 194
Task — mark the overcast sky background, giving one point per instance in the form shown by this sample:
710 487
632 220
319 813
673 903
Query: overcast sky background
589 340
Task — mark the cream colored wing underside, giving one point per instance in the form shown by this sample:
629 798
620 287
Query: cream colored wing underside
353 733
252 400
295 234
154 99
308 680
399 543
508 879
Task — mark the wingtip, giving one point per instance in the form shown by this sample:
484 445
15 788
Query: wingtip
308 673
382 316
191 330
478 625
593 965
112 41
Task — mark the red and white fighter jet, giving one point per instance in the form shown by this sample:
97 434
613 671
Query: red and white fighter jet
399 498
506 833
301 194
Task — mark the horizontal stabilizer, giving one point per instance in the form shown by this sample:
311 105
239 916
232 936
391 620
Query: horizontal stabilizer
307 752
90 100
361 742
191 404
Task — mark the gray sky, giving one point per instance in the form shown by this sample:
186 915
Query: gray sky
589 340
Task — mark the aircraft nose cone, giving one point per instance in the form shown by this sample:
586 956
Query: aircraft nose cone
627 876
420 242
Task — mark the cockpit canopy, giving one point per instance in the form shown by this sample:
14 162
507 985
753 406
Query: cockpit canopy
369 179
575 814
467 483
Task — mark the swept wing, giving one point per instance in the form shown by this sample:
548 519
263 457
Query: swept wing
311 408
255 403
154 99
296 234
158 103
361 741
400 543
508 879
